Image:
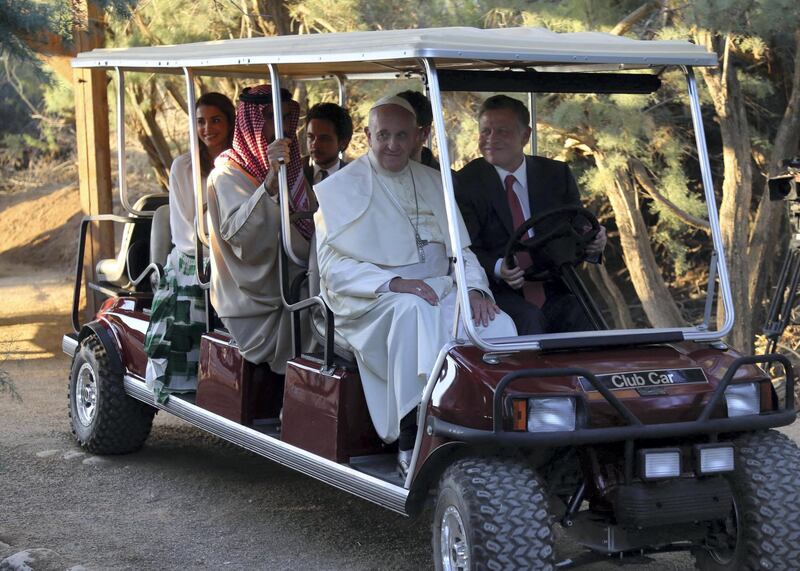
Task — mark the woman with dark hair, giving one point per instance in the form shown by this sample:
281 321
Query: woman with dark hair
172 342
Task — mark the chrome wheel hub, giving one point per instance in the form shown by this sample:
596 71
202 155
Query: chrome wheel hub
453 541
86 395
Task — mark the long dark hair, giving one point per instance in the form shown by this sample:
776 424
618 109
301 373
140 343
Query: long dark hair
225 105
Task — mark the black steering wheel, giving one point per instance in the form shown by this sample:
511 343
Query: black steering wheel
560 238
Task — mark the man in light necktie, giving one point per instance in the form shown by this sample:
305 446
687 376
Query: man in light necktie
496 194
329 129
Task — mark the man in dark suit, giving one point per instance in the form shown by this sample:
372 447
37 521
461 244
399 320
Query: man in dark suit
329 129
496 194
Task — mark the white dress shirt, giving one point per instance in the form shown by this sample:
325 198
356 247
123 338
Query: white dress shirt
317 169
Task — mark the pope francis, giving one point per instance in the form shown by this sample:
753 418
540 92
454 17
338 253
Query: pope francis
384 259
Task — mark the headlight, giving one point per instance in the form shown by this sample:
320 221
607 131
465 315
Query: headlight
659 463
743 399
713 458
551 414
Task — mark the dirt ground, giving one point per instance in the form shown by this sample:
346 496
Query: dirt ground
187 500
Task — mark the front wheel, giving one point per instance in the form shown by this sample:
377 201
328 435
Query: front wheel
762 530
491 513
105 420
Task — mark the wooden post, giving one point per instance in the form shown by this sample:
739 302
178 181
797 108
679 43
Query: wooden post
94 153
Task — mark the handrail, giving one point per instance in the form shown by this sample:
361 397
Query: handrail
153 267
283 184
296 307
76 294
201 237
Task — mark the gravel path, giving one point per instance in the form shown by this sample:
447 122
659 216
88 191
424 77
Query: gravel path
186 501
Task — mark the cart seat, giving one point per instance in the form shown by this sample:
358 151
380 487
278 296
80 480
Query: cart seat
134 249
340 347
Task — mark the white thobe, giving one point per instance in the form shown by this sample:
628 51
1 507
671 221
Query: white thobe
245 281
365 238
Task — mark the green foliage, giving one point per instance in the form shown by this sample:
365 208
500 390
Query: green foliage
36 109
26 17
767 19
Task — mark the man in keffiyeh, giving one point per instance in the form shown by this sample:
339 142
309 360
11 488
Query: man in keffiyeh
245 221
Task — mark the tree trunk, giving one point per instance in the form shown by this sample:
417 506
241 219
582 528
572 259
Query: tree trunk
764 237
271 17
149 132
660 308
612 296
725 90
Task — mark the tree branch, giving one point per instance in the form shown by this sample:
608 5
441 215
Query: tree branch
646 182
635 17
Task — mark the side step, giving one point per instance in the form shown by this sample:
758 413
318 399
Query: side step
341 476
69 344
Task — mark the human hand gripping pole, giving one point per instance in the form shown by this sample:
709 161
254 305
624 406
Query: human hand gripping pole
277 153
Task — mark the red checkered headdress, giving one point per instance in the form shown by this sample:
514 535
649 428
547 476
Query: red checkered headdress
249 148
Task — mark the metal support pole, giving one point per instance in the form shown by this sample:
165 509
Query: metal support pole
201 231
342 92
121 159
534 135
283 183
451 208
713 216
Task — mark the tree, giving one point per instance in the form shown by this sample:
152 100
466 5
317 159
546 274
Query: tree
749 38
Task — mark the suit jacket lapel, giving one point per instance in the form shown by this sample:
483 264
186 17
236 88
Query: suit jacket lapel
497 193
534 195
308 170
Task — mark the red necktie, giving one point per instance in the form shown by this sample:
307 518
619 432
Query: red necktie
532 291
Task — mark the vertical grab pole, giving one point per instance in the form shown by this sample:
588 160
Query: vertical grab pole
121 158
450 206
708 189
532 110
122 182
342 92
201 231
342 99
283 182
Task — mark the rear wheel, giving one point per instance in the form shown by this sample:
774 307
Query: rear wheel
105 420
491 513
762 530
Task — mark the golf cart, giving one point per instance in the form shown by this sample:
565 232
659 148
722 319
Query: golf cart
624 440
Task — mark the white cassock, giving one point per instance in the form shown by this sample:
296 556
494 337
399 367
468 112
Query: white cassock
365 238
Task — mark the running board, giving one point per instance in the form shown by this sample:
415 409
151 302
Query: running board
340 476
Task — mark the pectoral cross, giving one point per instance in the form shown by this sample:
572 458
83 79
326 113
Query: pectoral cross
420 246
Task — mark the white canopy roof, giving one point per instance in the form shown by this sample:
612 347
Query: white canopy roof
398 50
